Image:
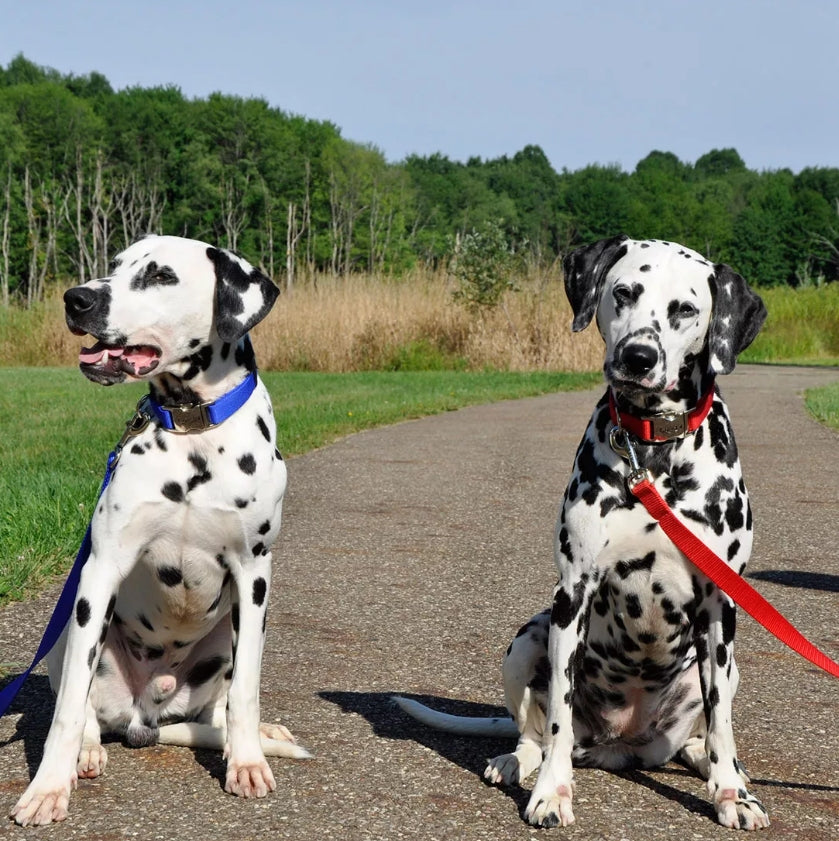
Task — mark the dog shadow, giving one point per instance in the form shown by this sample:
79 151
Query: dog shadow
34 705
825 582
468 752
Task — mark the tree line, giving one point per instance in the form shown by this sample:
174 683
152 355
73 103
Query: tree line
86 169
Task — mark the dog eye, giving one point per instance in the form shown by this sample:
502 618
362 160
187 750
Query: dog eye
622 295
687 310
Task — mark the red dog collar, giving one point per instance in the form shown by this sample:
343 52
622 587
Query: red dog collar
665 426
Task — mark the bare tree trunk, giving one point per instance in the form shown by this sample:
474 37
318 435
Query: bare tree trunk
233 212
335 223
4 239
33 226
307 222
294 231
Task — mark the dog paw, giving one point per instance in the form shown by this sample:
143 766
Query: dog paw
551 809
511 768
39 807
92 760
503 770
737 809
249 779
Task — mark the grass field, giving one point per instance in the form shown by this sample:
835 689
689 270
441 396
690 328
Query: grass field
823 404
56 430
802 327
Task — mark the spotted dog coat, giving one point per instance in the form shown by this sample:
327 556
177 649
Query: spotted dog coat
166 638
633 663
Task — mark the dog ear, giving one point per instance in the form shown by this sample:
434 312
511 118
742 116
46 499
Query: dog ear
585 270
244 296
736 318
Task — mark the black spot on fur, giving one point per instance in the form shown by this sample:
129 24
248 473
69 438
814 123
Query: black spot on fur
247 464
202 475
265 527
633 605
143 620
240 503
625 568
170 576
259 590
263 428
258 549
729 622
205 670
173 492
566 606
541 675
82 612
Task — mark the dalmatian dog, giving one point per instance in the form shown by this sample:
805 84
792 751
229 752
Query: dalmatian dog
633 663
165 641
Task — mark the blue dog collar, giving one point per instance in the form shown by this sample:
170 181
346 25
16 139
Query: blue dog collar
197 417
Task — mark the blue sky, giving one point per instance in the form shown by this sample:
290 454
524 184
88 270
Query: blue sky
589 82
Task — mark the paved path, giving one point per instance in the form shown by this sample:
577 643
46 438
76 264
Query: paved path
408 558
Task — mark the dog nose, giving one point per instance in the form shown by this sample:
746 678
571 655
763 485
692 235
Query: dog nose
79 300
639 359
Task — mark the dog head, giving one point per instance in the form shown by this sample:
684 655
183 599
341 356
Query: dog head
661 309
167 302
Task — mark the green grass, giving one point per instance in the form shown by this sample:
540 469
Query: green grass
802 327
823 404
56 430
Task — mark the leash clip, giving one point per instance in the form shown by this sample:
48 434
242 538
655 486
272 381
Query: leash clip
621 442
133 427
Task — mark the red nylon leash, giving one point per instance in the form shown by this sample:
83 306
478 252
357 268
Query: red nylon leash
709 563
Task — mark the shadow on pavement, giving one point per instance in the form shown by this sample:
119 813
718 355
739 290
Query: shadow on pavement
34 703
390 722
797 578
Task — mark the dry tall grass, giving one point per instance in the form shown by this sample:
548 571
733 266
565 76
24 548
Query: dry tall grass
369 323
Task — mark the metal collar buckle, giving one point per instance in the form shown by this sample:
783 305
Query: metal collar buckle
189 418
669 425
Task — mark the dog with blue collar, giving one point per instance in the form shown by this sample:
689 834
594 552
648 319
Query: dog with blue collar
165 616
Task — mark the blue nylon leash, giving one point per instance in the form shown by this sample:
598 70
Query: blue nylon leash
64 607
180 419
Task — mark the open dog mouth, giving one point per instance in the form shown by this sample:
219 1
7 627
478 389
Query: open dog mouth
108 364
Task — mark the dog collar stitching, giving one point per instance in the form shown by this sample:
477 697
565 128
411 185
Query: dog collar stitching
666 426
189 418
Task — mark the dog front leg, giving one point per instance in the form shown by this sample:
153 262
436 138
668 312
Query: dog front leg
550 801
715 624
47 797
248 774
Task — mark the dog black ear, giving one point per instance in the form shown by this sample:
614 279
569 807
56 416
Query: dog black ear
244 296
585 270
736 318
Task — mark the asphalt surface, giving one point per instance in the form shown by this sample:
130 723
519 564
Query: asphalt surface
409 557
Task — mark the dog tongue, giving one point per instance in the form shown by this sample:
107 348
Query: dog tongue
141 357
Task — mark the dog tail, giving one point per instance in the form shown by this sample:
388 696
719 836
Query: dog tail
191 734
461 725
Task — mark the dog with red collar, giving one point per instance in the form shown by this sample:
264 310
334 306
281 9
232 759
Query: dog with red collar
633 664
